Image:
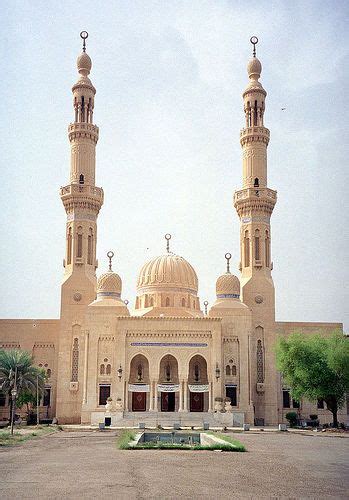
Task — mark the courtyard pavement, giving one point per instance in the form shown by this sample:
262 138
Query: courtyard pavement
88 465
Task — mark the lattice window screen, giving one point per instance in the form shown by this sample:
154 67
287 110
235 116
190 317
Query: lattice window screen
260 363
75 361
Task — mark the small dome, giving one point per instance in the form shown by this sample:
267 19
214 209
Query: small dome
228 286
254 68
109 285
84 64
168 271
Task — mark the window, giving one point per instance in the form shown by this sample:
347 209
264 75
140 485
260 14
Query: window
183 302
108 370
79 245
286 399
104 394
90 247
256 182
47 396
102 370
196 373
230 392
260 362
320 404
227 370
69 246
167 303
267 249
48 372
140 373
151 302
246 249
2 399
256 245
75 361
233 370
295 404
81 179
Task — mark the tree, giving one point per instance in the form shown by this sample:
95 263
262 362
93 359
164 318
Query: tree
28 375
316 367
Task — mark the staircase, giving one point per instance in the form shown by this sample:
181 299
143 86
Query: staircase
168 419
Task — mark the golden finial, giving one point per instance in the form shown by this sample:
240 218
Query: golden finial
228 257
84 35
167 238
254 41
110 255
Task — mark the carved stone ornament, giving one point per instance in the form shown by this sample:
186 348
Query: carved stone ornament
77 296
258 299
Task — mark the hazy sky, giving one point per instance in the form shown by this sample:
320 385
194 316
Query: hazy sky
169 76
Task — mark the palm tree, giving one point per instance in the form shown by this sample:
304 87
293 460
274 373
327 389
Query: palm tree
17 370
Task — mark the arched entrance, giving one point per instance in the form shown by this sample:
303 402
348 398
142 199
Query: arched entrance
139 383
198 384
168 383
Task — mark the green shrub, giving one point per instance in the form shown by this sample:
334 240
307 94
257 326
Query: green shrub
291 416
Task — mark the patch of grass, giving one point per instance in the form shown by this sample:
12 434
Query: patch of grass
239 446
8 439
123 441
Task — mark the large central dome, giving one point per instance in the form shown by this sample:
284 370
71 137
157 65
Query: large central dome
167 271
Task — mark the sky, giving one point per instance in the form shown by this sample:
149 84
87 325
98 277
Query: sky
169 77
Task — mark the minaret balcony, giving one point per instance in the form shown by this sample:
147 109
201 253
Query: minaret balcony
77 196
79 130
254 134
255 193
251 201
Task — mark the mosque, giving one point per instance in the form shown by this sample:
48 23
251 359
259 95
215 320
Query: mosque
167 357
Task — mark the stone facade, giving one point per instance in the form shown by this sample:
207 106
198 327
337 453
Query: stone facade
166 355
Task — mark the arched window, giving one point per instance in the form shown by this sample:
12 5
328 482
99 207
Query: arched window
227 370
168 372
82 108
151 302
48 372
260 362
183 302
194 304
267 249
167 303
75 361
140 373
90 247
81 179
256 245
246 249
196 373
79 243
108 369
256 182
102 369
233 371
69 245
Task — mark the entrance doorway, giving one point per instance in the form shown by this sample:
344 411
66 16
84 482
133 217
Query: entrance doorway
196 401
139 400
168 401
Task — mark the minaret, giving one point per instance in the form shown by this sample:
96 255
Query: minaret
81 198
254 204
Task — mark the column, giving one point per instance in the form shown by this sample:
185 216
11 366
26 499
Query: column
185 394
151 395
210 396
180 406
156 397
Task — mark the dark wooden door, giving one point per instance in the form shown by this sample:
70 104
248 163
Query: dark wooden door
139 401
168 401
196 401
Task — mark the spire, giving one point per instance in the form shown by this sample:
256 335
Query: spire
254 67
84 35
167 238
228 257
110 255
84 62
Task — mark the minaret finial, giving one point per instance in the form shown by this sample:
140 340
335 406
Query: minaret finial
110 255
254 41
167 238
84 35
206 304
228 257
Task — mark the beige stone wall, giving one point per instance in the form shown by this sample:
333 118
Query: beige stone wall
40 338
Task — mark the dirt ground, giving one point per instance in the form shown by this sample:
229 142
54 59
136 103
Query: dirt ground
88 465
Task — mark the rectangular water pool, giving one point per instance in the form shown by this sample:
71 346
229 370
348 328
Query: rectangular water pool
171 437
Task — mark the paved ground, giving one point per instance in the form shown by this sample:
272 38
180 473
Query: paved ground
88 465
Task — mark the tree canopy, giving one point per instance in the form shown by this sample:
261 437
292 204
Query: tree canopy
316 367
